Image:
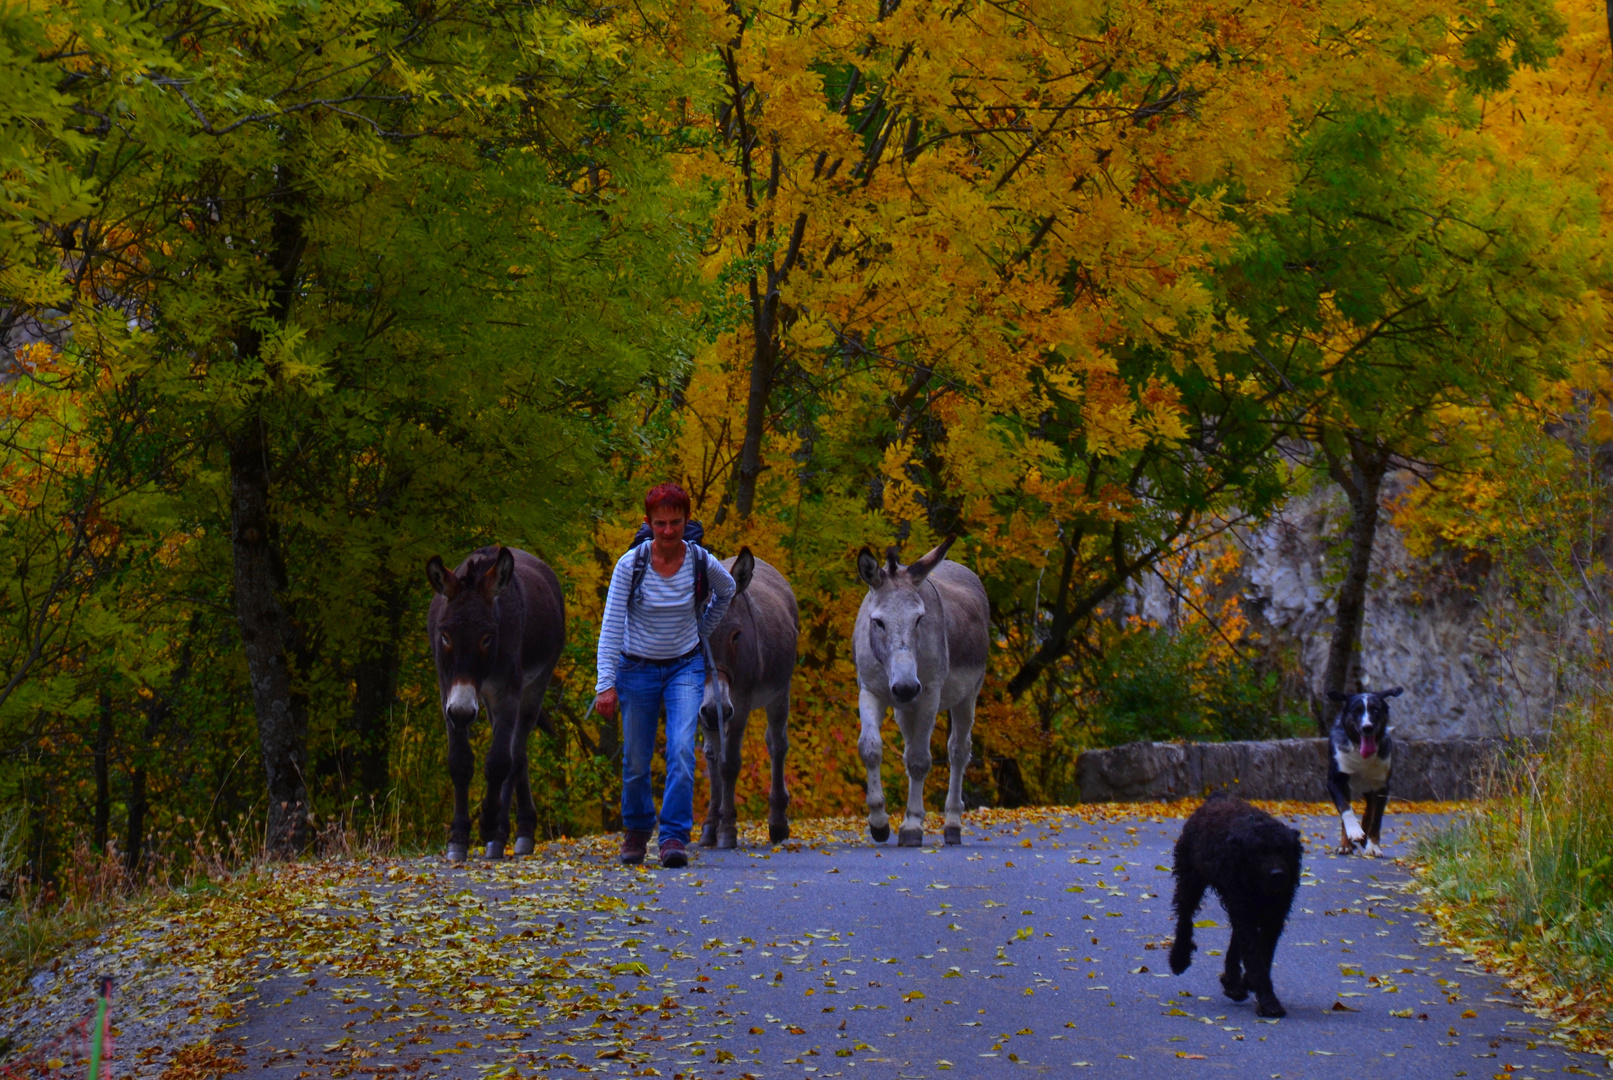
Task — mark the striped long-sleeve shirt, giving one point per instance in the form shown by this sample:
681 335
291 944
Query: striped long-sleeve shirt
662 622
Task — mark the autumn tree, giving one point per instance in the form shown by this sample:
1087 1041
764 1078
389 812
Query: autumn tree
380 288
1416 268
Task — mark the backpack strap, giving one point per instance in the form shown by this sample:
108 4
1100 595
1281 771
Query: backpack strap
641 563
702 584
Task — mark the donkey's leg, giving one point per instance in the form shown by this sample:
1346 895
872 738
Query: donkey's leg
778 745
917 722
521 804
497 770
708 831
461 763
961 724
733 746
872 751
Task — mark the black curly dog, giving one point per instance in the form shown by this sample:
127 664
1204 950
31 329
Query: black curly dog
1252 861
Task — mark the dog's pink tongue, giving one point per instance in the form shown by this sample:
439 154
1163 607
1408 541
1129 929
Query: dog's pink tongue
1369 746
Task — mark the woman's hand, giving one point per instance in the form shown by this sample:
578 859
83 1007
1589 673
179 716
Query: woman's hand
605 703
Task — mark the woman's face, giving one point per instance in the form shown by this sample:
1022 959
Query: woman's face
666 523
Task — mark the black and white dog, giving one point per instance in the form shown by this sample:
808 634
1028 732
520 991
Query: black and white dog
1358 764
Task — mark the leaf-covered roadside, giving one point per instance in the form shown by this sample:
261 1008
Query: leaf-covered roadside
1524 883
1582 1011
413 963
396 934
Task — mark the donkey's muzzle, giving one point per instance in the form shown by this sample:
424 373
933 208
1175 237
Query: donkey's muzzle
460 716
712 716
905 691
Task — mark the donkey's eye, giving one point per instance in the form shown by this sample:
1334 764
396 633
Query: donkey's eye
487 642
447 642
879 624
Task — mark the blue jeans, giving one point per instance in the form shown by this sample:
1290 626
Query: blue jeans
641 689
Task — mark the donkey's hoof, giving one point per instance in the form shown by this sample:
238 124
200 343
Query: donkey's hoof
727 839
495 850
523 845
880 833
953 834
708 836
906 837
777 834
457 852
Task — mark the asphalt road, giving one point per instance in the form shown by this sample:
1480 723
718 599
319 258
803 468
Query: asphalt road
1037 947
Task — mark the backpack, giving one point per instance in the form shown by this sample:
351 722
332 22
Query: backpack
693 533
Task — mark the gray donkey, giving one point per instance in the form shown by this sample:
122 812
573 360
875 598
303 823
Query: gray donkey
751 661
920 643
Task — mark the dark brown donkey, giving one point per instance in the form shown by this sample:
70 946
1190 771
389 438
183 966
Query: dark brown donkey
497 625
752 659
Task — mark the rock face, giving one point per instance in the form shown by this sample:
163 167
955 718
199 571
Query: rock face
1445 629
1278 769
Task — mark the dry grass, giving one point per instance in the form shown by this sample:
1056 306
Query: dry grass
40 920
1525 880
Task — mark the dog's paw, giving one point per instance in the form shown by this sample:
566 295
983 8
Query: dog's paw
1234 988
1353 830
1181 958
1372 850
1272 1009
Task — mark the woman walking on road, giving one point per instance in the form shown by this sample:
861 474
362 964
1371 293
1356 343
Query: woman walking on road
656 615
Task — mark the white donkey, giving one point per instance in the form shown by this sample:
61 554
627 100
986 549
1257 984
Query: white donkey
920 643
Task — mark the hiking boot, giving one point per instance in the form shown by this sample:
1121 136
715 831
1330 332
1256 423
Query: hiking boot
634 843
673 856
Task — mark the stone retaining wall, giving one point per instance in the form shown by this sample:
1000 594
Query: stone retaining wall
1278 769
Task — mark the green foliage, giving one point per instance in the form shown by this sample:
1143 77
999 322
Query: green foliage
1157 685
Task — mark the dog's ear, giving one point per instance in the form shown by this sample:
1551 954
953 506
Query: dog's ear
1334 695
1395 692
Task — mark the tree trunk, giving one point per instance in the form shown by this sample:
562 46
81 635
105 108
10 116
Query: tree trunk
375 688
267 634
135 837
103 787
266 628
750 451
1361 477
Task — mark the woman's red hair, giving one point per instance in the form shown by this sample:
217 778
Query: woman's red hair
667 495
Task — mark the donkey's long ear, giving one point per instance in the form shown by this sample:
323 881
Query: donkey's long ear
1334 695
868 568
441 580
1395 692
498 576
744 567
921 569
